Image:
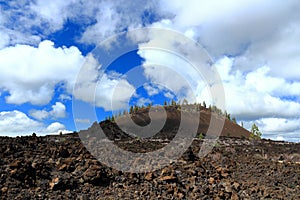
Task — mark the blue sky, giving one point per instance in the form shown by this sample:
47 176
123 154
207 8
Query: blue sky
254 45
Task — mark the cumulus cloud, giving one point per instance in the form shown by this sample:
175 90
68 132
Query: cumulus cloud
277 51
17 123
259 97
216 22
101 19
58 111
151 90
143 101
39 114
178 64
33 76
277 128
38 70
279 124
260 74
257 94
110 90
55 127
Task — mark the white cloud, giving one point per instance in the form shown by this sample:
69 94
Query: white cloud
279 125
143 101
151 90
101 19
261 81
33 76
16 123
259 97
64 97
110 91
54 13
177 64
58 110
257 94
216 24
169 95
278 128
39 114
121 15
55 127
279 51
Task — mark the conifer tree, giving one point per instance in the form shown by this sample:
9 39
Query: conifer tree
131 110
255 133
204 104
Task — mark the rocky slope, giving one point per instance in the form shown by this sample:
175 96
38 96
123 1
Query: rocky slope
60 167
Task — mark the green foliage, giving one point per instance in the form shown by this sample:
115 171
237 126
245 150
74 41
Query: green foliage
201 136
165 103
33 134
131 110
228 117
234 120
173 103
60 133
136 108
185 102
255 133
204 104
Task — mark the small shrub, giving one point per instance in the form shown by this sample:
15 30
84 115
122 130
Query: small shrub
201 136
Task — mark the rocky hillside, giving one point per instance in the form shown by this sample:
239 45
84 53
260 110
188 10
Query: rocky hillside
60 167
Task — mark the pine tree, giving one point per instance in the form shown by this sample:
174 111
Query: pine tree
131 110
228 116
173 103
204 104
255 133
234 120
136 108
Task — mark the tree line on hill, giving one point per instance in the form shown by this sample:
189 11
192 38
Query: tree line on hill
255 133
197 106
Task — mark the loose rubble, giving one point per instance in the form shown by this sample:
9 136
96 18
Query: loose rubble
60 167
